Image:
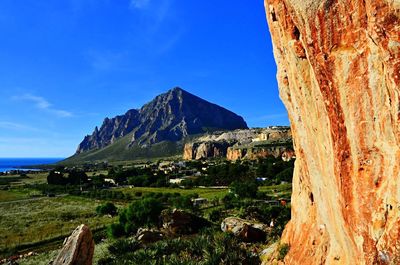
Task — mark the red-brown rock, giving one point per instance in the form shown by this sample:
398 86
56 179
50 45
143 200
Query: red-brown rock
339 77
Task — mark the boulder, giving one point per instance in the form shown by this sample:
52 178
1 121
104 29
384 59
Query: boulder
181 222
245 230
77 249
145 235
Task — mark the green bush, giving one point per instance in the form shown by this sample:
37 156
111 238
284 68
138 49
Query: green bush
122 246
108 208
215 215
115 230
283 249
207 248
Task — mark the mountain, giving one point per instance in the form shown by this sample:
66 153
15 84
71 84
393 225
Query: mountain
164 122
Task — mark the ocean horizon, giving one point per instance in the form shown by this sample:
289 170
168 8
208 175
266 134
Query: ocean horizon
8 164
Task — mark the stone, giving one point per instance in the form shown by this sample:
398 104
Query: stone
182 223
145 235
339 78
78 249
245 230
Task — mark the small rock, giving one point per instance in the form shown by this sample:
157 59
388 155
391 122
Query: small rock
245 230
145 235
181 222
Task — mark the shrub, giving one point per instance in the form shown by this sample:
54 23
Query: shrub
215 215
140 213
283 249
108 208
115 230
122 246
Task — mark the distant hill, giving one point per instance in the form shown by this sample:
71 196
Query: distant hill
157 129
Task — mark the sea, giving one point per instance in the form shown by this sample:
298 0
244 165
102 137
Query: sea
7 164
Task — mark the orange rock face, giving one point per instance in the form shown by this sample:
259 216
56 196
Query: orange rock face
339 77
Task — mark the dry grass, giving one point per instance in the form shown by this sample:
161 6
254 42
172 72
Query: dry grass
33 221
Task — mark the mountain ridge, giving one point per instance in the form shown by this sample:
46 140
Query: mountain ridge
169 117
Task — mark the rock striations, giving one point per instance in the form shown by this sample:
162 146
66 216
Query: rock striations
242 144
339 77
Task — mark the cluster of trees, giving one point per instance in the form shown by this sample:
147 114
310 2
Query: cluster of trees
72 177
108 195
146 211
275 170
139 177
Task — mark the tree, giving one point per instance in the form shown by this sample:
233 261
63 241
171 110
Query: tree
143 212
244 189
56 178
76 177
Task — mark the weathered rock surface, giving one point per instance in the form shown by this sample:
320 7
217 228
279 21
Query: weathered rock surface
245 230
145 235
78 249
181 222
241 144
339 77
255 152
171 116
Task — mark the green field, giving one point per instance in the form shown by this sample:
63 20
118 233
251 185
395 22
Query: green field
207 193
6 196
34 220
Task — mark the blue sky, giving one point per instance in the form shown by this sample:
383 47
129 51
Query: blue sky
67 64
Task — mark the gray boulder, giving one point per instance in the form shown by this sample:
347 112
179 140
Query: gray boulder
245 230
145 235
181 222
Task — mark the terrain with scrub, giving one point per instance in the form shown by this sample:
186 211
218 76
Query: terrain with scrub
37 220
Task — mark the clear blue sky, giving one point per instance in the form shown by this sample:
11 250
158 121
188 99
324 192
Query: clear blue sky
67 64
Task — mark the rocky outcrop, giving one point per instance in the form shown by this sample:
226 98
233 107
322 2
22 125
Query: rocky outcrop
78 249
255 152
245 230
145 235
241 144
182 223
169 117
339 77
202 150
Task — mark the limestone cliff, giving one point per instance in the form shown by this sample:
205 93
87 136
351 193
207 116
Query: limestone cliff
242 144
339 77
253 152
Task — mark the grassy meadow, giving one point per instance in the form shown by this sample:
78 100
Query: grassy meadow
35 220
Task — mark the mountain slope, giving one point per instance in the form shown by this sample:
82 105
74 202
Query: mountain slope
170 117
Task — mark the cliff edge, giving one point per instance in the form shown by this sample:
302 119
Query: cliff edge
339 77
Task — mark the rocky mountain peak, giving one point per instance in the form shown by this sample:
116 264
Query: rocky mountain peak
171 116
